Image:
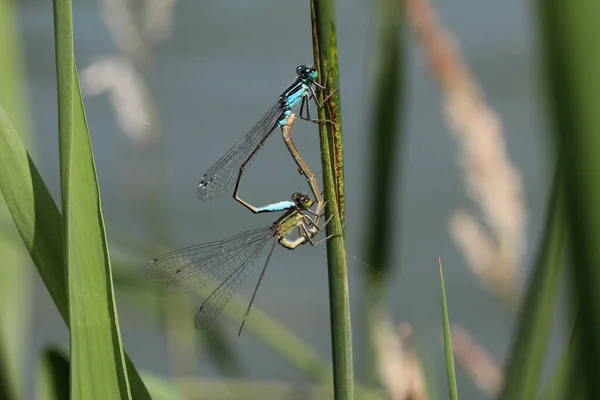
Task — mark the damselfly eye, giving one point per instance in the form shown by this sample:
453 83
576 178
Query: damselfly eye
307 202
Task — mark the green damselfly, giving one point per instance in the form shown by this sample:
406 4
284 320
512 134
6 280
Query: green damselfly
231 260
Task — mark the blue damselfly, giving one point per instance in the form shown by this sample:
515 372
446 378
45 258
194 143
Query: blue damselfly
232 165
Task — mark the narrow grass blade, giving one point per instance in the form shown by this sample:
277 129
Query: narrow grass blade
53 375
523 370
570 35
384 133
97 360
448 341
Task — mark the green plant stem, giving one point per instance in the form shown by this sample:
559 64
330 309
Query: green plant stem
570 38
326 61
325 55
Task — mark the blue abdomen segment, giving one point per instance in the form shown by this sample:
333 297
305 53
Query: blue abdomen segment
295 96
290 99
281 206
284 116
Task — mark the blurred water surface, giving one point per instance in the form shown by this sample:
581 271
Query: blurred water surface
224 65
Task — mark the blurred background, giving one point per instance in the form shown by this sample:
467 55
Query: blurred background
170 86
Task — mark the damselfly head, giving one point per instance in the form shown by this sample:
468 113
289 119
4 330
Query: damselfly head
307 72
302 200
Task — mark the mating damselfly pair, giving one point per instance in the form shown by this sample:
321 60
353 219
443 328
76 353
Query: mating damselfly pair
231 260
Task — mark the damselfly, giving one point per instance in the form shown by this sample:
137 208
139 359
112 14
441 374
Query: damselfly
231 260
286 133
232 165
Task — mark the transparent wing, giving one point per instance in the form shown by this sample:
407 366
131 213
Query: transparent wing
195 267
224 172
214 304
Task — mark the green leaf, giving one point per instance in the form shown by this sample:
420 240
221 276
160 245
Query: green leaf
16 286
529 347
570 37
97 360
567 380
53 378
40 225
33 211
448 341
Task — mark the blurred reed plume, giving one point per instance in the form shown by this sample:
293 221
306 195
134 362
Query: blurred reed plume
399 366
158 19
124 77
126 91
119 19
494 249
477 362
133 36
